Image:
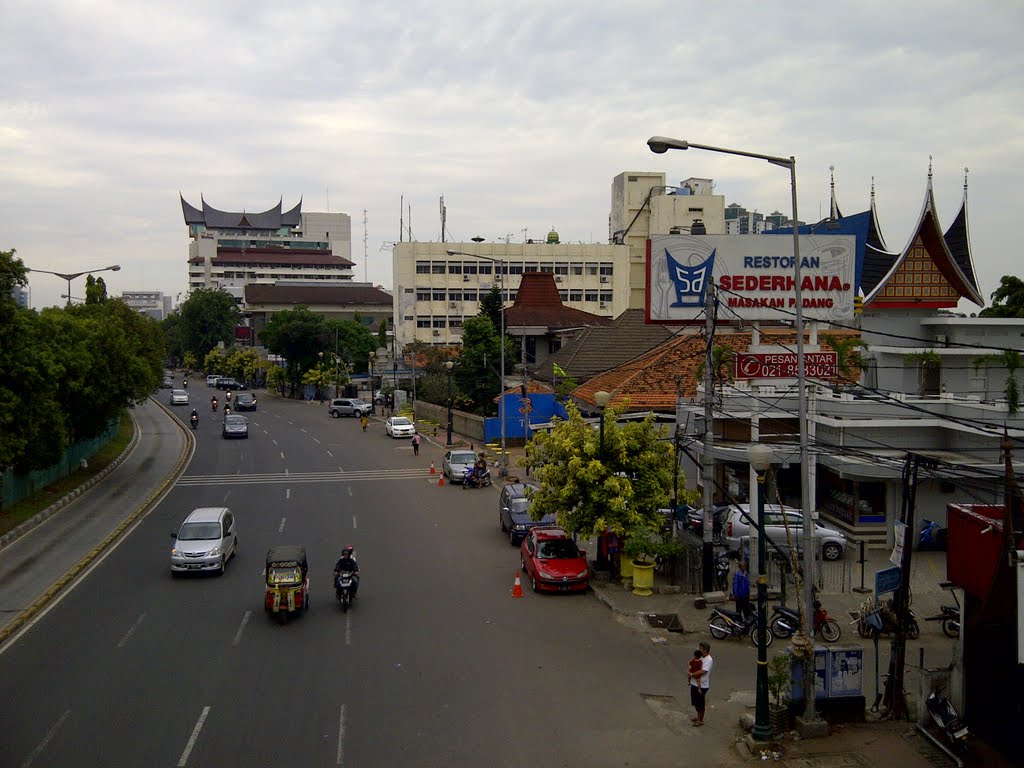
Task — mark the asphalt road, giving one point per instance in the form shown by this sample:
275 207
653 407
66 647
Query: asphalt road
435 665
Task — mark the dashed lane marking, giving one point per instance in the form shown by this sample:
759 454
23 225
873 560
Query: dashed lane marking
46 739
131 631
304 477
192 739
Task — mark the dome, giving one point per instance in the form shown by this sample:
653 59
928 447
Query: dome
553 237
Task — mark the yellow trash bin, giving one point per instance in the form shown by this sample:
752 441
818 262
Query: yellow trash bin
643 578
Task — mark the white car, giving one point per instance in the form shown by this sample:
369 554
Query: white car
211 380
179 397
205 541
399 426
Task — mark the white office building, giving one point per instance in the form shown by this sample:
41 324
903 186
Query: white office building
152 303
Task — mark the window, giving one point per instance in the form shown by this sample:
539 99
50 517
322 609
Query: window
606 296
531 349
577 269
422 294
409 290
515 269
469 269
486 269
439 322
561 269
422 322
554 345
606 269
455 268
455 322
563 295
590 296
469 296
454 295
575 295
437 268
591 269
422 267
549 268
438 295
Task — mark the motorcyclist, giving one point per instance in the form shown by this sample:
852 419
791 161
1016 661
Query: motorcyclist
213 403
479 467
194 417
184 382
347 562
228 396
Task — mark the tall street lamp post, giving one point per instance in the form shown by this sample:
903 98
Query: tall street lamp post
660 145
69 276
760 457
448 366
601 398
501 387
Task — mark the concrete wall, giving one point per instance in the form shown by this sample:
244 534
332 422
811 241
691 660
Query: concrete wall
464 424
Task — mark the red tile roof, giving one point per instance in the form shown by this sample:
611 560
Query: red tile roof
538 304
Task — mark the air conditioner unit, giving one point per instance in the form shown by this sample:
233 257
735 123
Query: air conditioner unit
453 304
604 278
558 278
437 332
465 278
941 338
604 305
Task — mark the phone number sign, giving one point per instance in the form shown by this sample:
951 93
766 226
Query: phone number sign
818 365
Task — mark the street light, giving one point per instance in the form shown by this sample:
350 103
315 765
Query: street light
448 366
373 401
602 398
69 276
501 389
660 145
760 457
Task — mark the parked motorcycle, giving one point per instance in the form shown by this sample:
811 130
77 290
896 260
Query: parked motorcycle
722 566
343 589
473 479
932 536
725 623
871 623
695 523
785 621
948 721
949 614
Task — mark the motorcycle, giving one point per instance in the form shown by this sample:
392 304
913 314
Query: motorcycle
695 523
948 721
474 479
871 622
722 566
785 621
343 589
949 614
932 536
195 421
725 623
213 405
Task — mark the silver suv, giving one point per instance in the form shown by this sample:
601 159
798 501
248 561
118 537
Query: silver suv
349 406
205 541
736 529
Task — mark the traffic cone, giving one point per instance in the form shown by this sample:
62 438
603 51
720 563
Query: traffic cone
517 587
432 470
440 481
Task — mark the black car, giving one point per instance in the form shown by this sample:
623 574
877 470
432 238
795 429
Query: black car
226 384
514 512
245 401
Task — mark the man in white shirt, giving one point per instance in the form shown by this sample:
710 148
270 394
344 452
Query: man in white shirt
702 683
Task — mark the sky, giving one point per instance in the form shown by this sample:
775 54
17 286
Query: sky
518 113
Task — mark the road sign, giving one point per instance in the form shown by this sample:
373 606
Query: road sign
783 365
887 580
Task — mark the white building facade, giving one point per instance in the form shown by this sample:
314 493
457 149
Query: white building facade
152 303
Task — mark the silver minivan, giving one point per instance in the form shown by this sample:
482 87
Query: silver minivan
204 542
831 543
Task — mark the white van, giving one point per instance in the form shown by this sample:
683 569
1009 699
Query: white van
204 542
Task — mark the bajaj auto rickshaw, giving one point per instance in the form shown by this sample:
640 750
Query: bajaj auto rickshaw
287 581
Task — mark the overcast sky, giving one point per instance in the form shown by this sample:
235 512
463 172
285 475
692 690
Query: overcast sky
518 113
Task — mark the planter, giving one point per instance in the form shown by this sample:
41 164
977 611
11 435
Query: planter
626 569
778 717
643 578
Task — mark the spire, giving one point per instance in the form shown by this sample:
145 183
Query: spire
834 207
872 190
966 171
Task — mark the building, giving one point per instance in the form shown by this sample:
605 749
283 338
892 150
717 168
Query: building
152 303
642 204
230 250
435 292
363 302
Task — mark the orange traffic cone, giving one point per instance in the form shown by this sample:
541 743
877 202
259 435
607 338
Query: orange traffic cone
517 587
440 481
432 470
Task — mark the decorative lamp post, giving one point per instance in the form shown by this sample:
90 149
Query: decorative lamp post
601 398
760 457
69 276
448 366
373 402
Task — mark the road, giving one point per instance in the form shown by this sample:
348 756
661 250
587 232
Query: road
436 665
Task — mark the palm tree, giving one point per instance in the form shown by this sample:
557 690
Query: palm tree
721 360
929 361
1011 361
848 358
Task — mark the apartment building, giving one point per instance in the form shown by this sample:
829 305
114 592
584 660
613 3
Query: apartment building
152 303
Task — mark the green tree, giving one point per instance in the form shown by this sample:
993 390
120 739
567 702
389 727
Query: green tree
277 378
173 341
1011 361
297 335
1007 299
928 361
189 360
477 372
848 358
352 340
214 363
491 306
382 333
721 365
242 363
207 317
95 290
622 491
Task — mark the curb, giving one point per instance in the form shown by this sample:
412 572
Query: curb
122 528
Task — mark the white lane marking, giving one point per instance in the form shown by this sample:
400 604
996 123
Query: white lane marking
303 430
350 490
340 759
273 441
46 739
291 423
131 631
286 469
265 432
282 456
332 456
348 629
316 441
288 493
192 739
280 528
354 525
245 620
226 495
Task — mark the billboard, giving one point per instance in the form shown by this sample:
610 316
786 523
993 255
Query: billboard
753 277
776 365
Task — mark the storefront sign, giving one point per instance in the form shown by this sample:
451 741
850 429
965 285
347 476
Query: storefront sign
887 580
753 276
817 365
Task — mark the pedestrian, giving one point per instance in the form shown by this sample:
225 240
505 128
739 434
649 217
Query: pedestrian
695 665
741 589
415 443
701 684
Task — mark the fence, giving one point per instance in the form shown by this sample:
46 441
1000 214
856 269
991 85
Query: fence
17 486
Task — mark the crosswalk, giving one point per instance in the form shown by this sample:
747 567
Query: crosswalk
306 477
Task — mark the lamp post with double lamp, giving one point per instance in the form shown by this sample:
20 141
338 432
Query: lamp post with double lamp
501 388
760 457
69 276
448 367
660 145
601 399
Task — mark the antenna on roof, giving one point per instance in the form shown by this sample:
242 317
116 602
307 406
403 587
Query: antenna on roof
366 258
401 220
444 216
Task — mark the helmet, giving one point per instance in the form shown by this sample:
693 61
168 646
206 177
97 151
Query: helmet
346 550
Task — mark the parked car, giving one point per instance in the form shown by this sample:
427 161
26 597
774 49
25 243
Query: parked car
245 401
514 511
831 542
227 383
179 397
455 464
399 426
349 406
695 521
552 562
211 380
235 426
204 542
168 373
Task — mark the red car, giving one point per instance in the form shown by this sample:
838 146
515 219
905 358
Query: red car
552 562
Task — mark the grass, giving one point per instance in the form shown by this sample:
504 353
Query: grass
13 516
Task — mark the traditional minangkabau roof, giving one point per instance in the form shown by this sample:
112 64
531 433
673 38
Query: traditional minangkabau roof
316 295
270 219
538 304
599 348
959 242
272 255
926 274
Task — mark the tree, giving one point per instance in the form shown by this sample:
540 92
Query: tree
1007 299
214 362
297 335
621 492
95 290
929 361
491 306
207 317
477 373
353 342
382 334
1011 361
848 357
242 363
189 360
721 362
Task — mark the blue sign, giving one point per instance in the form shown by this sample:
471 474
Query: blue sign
690 282
887 580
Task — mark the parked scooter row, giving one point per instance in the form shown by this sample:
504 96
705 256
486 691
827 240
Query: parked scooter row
783 623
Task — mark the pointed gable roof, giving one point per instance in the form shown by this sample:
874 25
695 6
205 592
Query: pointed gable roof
214 218
925 275
959 242
538 304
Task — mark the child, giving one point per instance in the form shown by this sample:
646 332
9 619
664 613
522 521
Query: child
695 665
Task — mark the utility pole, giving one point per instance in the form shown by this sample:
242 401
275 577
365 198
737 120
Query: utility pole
708 462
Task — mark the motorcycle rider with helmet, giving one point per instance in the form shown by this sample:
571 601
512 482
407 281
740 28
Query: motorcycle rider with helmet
194 417
347 562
